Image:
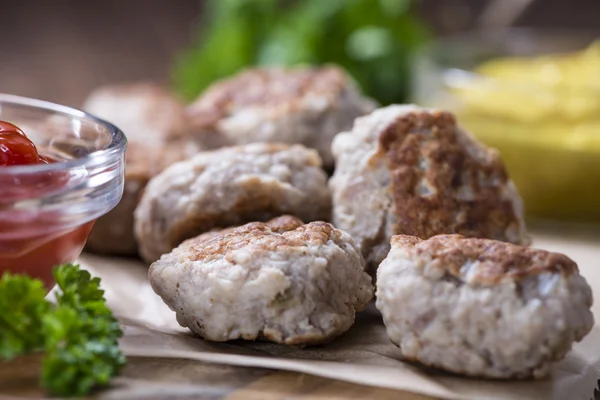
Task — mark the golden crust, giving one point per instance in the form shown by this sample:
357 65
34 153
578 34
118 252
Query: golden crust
442 181
280 224
496 261
284 231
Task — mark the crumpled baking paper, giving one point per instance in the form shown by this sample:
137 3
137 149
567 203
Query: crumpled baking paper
364 355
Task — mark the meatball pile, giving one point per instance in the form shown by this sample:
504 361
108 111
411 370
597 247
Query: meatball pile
301 105
228 200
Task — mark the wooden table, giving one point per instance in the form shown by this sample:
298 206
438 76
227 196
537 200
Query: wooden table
184 379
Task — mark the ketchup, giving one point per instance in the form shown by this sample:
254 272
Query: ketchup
16 148
34 255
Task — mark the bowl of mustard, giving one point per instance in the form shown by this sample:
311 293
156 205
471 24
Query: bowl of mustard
535 96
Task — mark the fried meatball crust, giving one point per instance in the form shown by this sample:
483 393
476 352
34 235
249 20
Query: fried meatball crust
280 281
482 307
414 171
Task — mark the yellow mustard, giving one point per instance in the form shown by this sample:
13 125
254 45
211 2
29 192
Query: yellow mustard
543 114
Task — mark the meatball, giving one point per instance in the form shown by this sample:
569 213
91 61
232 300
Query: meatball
154 122
229 187
482 307
299 105
281 281
407 170
146 112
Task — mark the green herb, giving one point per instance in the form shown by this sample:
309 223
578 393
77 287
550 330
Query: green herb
78 334
372 39
22 308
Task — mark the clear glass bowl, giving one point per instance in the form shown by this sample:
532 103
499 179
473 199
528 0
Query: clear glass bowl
48 210
548 135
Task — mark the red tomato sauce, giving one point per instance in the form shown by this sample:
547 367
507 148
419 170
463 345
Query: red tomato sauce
33 254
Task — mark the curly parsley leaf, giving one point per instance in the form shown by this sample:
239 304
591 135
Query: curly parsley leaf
22 306
82 353
79 334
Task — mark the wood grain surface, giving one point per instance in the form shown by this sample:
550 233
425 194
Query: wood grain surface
156 379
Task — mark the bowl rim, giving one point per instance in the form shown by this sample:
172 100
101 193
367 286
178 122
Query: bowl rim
464 77
117 145
496 33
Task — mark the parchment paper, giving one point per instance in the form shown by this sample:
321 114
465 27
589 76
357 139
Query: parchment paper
364 355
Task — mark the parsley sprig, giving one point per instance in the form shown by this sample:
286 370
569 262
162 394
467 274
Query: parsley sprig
78 334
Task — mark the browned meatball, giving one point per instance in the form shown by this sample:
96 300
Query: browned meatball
281 281
481 307
300 105
407 170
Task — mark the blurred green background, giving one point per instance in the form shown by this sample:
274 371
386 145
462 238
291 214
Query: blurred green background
60 50
371 39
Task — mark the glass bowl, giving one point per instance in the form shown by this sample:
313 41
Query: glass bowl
48 210
547 130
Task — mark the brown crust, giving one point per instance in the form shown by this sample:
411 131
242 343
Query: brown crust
258 208
497 261
285 231
280 224
276 88
430 160
405 241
